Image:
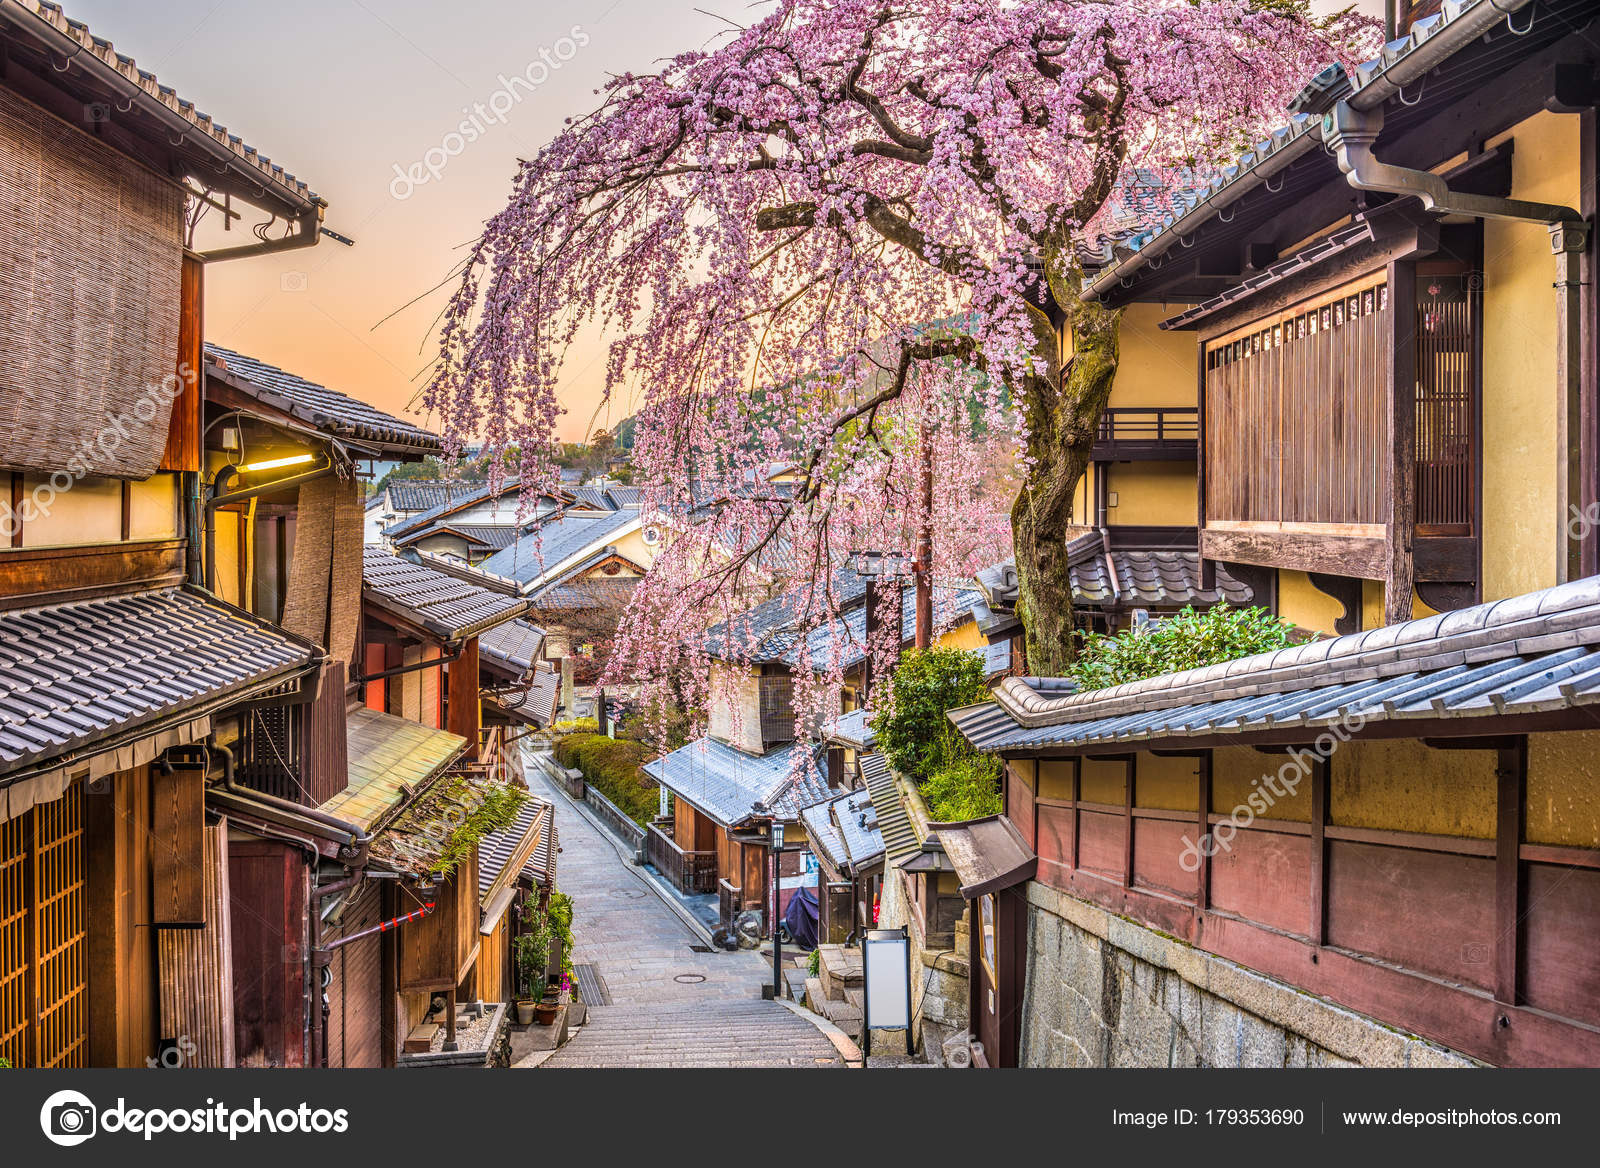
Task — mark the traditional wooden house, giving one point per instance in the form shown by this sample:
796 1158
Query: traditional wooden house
516 868
121 666
1377 848
473 524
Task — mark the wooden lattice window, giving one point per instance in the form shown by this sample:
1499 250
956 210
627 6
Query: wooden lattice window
44 948
1446 402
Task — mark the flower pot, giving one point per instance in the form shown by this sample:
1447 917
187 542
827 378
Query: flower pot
545 1012
525 1012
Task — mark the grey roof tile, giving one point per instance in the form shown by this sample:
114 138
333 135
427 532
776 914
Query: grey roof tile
444 604
550 543
73 674
727 784
328 410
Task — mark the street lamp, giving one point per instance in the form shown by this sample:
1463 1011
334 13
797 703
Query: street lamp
777 905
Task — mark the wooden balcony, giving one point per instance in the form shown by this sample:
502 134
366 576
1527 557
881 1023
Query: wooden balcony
690 872
1138 434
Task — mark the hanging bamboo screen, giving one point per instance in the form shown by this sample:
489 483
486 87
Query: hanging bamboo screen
1295 413
91 248
44 947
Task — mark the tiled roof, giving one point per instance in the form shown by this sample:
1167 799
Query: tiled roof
535 702
75 674
768 631
467 496
1144 579
417 841
727 784
1537 653
390 758
595 498
515 646
484 535
417 495
852 730
549 545
334 413
848 826
536 816
162 102
443 604
846 635
592 595
894 824
1406 57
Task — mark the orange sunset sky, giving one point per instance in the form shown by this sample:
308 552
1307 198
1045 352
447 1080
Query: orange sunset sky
349 95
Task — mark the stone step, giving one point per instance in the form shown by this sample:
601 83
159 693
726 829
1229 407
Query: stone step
856 997
838 968
814 995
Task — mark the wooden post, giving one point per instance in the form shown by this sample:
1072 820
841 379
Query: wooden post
1202 897
1589 338
1568 241
1512 776
1131 773
867 680
1400 490
464 712
1321 771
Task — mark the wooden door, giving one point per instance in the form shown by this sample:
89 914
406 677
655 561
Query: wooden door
999 944
44 958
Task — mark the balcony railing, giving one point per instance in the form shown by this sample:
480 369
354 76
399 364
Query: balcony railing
691 872
1138 433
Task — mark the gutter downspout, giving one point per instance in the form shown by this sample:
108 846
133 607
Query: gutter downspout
1350 133
354 852
307 230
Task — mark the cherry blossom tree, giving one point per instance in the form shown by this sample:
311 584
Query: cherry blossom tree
846 238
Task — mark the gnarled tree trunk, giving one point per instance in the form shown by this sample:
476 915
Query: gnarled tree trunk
1063 402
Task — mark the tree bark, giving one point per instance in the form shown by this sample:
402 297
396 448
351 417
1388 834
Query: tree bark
1063 401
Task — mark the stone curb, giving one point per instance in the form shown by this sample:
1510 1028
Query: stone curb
848 1050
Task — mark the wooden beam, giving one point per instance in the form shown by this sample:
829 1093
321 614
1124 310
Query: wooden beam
1320 773
1512 785
1400 489
177 848
1336 555
1131 774
1202 896
465 717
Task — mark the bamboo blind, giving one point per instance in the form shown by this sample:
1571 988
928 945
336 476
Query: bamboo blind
1295 412
91 250
44 945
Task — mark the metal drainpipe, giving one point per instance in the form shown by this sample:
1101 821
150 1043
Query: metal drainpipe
359 840
1350 133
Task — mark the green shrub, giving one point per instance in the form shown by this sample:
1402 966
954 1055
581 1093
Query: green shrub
966 786
913 731
1187 640
814 963
576 726
612 766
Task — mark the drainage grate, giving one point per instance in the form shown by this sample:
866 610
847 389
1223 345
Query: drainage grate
701 949
591 986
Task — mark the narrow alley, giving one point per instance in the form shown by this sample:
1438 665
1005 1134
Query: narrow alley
665 1003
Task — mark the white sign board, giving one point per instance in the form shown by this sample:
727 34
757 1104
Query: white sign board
885 958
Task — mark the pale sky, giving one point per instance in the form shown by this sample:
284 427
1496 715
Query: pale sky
341 92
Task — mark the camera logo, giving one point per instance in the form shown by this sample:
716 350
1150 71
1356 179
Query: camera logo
68 1118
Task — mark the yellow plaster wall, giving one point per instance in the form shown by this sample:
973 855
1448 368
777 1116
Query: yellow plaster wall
1238 773
226 542
634 548
1171 784
1156 368
153 507
1564 789
1103 781
1300 602
1055 778
734 708
963 636
88 511
1153 493
1402 785
1520 458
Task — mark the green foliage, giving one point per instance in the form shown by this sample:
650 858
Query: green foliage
814 963
532 951
559 914
913 731
5 1063
965 786
612 765
576 726
1187 640
497 811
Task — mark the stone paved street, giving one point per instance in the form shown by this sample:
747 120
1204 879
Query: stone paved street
671 1006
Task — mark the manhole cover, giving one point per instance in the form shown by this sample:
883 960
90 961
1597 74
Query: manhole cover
690 978
628 893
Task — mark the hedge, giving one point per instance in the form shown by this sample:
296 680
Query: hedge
612 766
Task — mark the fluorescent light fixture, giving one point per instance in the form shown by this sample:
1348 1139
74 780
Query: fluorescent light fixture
275 463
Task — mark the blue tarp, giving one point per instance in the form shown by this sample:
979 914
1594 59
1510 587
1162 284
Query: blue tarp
801 917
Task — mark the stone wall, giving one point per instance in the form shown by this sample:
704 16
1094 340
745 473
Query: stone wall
1103 991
